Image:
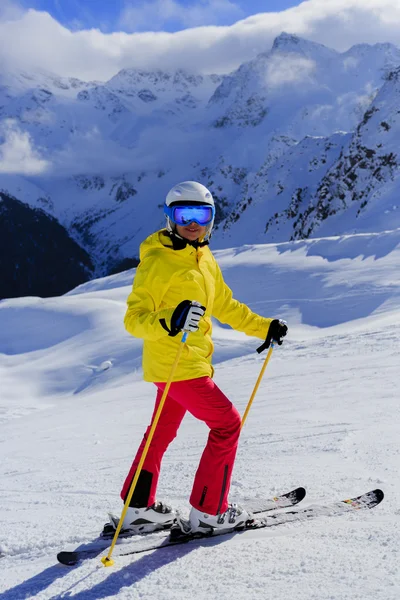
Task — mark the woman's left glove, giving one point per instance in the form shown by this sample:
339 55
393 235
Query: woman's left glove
277 330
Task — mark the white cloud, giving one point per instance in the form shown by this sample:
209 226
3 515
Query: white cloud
10 9
288 69
91 54
17 154
90 153
153 15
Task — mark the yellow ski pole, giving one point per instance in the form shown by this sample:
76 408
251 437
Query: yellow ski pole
107 560
266 361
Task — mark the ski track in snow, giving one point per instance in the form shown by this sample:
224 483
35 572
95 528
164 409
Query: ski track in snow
73 409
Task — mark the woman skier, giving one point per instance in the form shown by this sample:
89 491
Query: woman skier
178 287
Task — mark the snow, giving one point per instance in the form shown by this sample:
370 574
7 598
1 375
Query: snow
73 409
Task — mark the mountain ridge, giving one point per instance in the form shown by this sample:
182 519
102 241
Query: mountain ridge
266 139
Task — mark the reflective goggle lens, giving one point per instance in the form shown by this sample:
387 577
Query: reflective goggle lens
183 215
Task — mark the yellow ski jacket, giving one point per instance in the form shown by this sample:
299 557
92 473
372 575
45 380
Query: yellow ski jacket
163 279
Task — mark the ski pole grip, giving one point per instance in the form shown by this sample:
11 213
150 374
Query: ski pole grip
264 346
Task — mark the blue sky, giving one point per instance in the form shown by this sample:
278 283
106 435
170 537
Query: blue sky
141 15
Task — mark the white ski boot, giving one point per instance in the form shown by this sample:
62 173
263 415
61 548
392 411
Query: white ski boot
233 518
146 519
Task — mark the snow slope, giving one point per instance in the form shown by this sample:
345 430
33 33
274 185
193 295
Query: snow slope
73 409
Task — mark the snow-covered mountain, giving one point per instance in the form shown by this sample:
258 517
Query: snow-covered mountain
365 179
300 141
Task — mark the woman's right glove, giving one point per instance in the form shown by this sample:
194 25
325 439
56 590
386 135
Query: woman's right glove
185 317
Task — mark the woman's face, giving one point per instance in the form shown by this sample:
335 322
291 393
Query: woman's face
191 232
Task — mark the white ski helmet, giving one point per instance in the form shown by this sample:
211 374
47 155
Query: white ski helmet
191 192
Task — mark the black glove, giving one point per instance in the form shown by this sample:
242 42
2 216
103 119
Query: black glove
277 330
185 317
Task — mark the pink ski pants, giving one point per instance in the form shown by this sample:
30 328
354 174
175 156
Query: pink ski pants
205 401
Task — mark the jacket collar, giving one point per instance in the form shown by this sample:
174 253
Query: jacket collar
179 243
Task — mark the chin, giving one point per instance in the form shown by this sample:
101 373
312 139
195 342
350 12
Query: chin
190 235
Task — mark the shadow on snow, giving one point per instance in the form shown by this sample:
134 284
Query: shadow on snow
127 576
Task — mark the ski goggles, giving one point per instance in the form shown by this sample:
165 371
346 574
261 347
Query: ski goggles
183 215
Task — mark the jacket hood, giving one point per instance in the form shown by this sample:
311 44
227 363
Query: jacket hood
159 239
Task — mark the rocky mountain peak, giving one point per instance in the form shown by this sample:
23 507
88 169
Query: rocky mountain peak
291 43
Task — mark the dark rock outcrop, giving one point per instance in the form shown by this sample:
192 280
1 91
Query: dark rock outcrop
37 255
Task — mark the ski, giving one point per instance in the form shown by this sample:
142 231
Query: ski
254 505
178 536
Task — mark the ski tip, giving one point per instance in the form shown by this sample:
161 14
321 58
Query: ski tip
294 496
300 493
69 559
379 495
368 500
372 498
